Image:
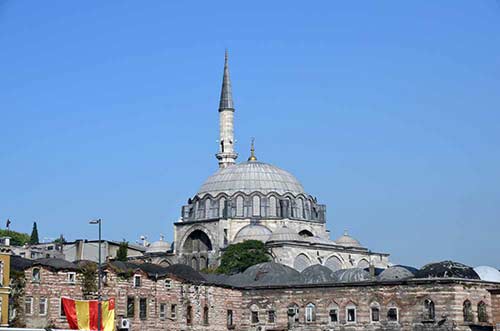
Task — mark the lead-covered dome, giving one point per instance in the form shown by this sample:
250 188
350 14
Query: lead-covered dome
249 177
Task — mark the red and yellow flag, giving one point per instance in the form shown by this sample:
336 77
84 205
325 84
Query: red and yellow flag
82 314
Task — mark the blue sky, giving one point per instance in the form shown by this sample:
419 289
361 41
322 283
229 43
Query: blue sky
387 111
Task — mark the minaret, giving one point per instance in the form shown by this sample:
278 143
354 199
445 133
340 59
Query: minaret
226 156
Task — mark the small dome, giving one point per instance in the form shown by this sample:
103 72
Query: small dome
347 241
267 273
488 274
395 273
352 275
285 234
249 177
252 232
318 274
159 246
447 269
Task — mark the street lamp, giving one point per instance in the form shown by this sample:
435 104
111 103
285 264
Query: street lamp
99 313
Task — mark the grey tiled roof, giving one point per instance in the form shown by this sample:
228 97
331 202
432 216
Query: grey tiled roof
249 177
447 269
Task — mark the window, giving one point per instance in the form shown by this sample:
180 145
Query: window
271 316
293 314
168 283
42 306
334 315
205 315
482 314
256 206
375 314
62 313
429 311
143 308
104 277
351 314
310 313
229 318
137 281
130 307
239 206
36 275
468 315
392 314
255 317
28 306
163 310
71 277
189 315
173 311
272 206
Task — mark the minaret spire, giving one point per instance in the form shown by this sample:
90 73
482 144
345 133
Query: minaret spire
226 156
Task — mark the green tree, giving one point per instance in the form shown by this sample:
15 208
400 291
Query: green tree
16 238
60 240
34 235
238 257
121 254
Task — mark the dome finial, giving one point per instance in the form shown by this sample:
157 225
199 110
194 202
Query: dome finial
252 151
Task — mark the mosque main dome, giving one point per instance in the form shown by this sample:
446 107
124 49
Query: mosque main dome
249 177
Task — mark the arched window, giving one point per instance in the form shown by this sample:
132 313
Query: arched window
207 208
307 209
254 311
482 314
467 310
429 310
333 314
300 208
306 233
293 314
363 264
374 312
333 263
194 263
272 206
239 206
205 315
203 262
350 313
189 315
256 206
310 313
290 208
222 208
301 262
392 314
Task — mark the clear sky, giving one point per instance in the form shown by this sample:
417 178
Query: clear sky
387 111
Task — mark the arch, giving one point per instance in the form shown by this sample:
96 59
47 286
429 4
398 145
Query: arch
333 263
363 263
300 208
272 212
306 233
222 207
467 311
482 313
239 206
208 203
310 312
374 311
197 241
333 313
301 262
429 310
255 205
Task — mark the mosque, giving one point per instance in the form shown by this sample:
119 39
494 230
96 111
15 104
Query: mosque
254 200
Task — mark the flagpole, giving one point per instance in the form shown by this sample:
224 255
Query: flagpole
99 297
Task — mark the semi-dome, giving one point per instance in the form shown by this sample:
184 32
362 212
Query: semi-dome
285 234
253 232
347 241
249 177
488 273
318 274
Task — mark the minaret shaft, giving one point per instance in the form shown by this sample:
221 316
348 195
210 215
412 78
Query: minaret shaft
226 156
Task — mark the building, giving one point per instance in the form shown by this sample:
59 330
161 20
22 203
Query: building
270 296
257 200
89 250
5 253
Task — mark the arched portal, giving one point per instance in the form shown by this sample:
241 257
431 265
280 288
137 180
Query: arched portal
198 241
301 262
